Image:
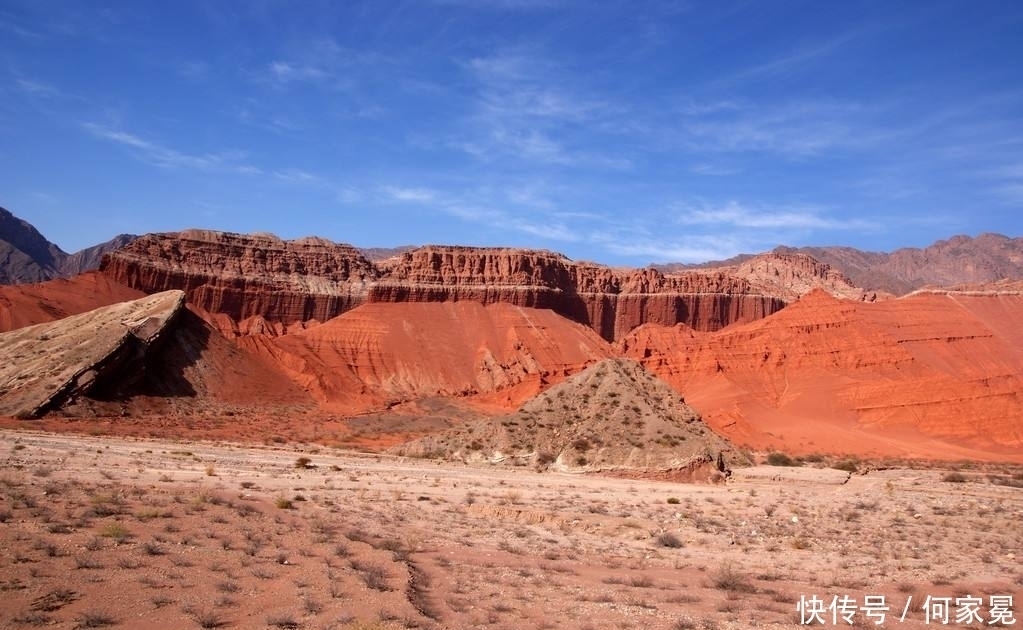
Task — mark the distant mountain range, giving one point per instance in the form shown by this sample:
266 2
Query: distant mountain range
960 260
27 256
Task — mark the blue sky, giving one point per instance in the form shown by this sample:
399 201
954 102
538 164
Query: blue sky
621 132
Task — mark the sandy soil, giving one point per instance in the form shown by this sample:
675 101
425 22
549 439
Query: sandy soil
102 531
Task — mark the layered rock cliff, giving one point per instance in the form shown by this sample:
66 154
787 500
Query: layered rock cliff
247 276
275 285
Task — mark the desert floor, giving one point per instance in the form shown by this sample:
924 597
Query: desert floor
138 533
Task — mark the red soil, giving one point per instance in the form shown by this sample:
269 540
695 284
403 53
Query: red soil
381 354
927 376
26 304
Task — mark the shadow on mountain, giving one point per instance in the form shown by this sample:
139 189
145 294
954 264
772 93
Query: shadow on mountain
164 369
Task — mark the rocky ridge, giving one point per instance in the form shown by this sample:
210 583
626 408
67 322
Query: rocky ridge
960 260
270 286
26 256
46 365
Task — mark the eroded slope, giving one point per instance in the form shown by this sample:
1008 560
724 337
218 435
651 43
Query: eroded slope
923 376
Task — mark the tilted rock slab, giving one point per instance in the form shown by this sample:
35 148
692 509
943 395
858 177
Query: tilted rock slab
45 365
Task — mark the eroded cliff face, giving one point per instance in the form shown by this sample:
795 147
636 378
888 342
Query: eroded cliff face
270 286
246 276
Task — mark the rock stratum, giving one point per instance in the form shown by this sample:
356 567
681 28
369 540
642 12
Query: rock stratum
266 285
379 355
45 366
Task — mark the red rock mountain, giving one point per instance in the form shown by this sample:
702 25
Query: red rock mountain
930 375
267 285
775 351
378 355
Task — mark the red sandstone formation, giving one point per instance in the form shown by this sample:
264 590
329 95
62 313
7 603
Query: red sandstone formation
247 276
935 374
267 285
916 376
381 354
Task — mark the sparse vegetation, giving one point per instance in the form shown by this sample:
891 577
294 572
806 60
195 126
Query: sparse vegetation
95 619
669 540
728 578
285 622
540 541
119 533
373 574
780 459
208 619
848 465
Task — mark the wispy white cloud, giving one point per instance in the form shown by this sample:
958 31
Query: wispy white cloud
37 88
409 195
798 58
1005 182
15 26
1009 171
321 62
527 108
297 176
284 72
714 170
798 129
735 215
194 70
1010 193
517 208
542 227
165 157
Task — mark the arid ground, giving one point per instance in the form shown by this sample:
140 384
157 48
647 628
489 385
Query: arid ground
99 531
